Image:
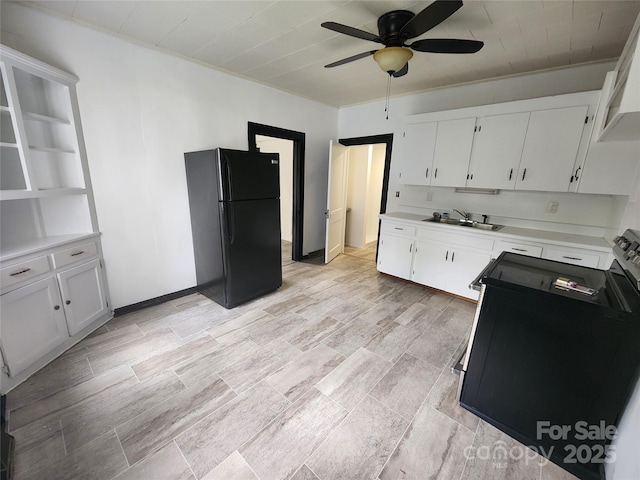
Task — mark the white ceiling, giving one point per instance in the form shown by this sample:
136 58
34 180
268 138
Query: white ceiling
281 43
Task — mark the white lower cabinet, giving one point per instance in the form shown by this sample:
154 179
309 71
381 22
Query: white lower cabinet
395 255
83 294
32 324
447 267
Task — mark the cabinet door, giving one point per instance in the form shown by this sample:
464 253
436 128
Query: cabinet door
550 149
610 168
497 149
416 160
465 267
395 256
32 324
431 265
452 152
83 294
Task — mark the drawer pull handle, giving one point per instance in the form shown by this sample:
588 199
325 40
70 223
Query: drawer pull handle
519 249
524 173
398 228
571 258
77 253
510 174
20 272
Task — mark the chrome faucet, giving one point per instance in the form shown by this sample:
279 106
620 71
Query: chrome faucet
465 216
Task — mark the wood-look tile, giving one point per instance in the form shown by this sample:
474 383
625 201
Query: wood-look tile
100 459
131 351
91 419
551 471
443 397
100 343
49 381
352 336
319 307
269 329
238 323
437 300
497 456
432 447
158 425
259 364
56 404
384 313
304 473
194 370
303 372
418 315
234 467
361 444
435 346
194 347
279 449
38 445
407 295
406 385
350 310
312 332
393 341
455 320
140 317
289 304
214 438
166 464
317 286
354 378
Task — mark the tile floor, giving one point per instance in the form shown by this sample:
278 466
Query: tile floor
343 373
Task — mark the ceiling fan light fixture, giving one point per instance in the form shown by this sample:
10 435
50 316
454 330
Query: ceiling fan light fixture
392 59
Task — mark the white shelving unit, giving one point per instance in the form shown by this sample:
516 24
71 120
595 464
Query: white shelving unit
47 212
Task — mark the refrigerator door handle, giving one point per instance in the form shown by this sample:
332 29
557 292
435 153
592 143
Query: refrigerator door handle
231 223
229 181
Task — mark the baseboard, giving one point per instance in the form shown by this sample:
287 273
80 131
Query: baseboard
317 253
153 301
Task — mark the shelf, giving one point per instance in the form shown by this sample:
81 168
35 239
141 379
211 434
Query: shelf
8 145
42 193
10 251
44 118
51 149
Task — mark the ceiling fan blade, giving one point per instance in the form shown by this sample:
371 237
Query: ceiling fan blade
431 16
350 59
353 32
403 71
447 45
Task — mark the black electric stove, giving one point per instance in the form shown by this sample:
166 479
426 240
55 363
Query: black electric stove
556 347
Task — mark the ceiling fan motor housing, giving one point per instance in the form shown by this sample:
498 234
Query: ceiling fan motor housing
390 24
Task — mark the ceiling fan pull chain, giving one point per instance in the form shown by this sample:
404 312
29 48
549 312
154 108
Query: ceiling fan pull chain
386 106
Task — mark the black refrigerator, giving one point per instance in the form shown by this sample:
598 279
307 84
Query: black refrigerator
235 220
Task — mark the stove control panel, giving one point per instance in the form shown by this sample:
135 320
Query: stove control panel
626 249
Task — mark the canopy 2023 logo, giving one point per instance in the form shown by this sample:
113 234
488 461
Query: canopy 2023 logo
581 453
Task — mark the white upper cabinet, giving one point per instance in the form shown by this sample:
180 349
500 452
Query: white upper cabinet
551 148
497 148
418 142
452 152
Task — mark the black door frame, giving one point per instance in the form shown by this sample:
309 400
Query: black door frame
298 139
387 139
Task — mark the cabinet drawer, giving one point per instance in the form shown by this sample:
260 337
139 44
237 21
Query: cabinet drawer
461 238
520 248
75 254
398 229
24 270
586 260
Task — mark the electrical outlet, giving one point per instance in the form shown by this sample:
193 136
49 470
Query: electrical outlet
429 196
552 207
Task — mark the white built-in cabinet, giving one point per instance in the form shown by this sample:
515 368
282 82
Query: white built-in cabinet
395 249
418 144
52 284
497 149
530 145
454 140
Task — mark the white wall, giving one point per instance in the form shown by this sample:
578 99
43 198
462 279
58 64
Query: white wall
374 191
357 195
285 149
141 109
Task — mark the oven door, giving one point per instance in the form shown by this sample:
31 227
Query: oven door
461 366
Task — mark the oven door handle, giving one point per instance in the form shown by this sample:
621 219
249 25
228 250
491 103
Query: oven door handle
476 283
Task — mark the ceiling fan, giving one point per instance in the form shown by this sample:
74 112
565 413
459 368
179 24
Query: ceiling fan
398 26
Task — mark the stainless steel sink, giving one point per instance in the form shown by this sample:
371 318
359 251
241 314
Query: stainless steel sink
465 223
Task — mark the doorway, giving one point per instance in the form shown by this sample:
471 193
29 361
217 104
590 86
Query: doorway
297 140
284 148
361 186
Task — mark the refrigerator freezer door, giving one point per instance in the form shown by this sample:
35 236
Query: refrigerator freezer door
248 175
251 241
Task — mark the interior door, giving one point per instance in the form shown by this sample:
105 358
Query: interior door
336 201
